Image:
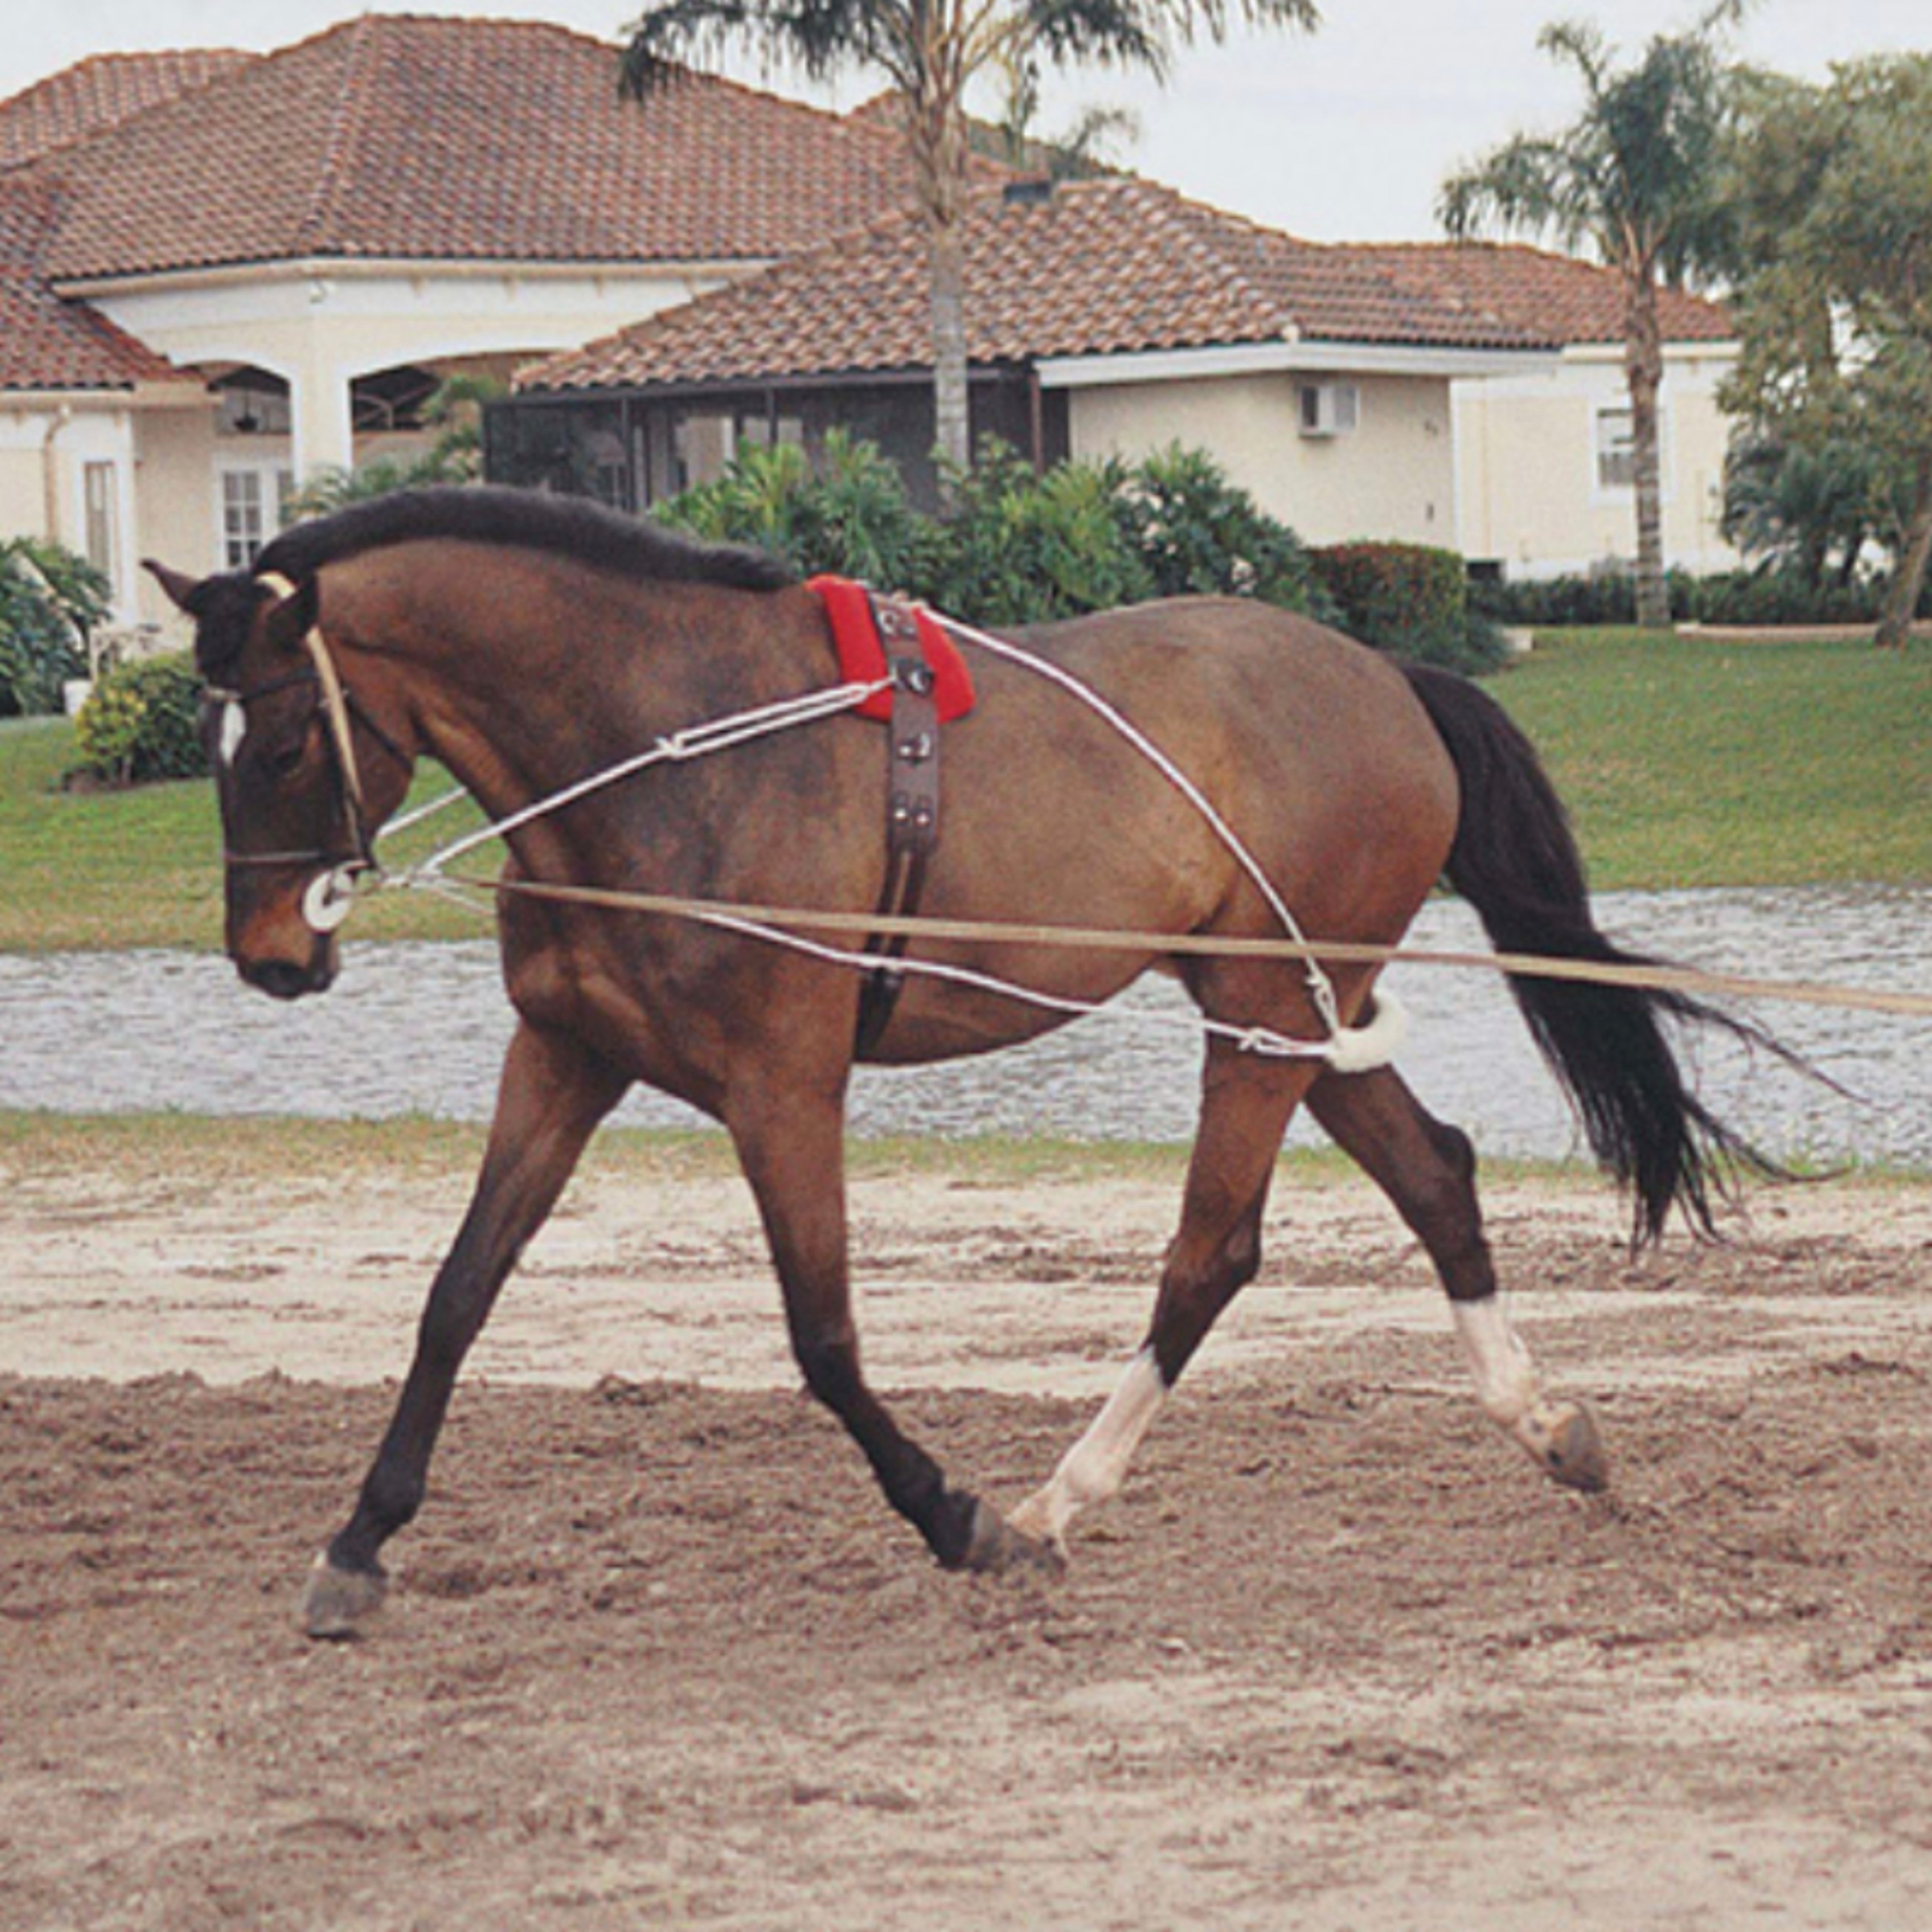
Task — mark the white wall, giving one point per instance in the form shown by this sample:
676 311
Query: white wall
1392 477
319 328
177 505
47 449
1528 490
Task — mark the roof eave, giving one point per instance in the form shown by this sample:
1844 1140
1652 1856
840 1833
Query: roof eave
135 393
454 267
1299 357
676 389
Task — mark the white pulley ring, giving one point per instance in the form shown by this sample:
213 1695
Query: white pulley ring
328 899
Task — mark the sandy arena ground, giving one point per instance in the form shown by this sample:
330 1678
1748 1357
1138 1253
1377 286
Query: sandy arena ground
1339 1658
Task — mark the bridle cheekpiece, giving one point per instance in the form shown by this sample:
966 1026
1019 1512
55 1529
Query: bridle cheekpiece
330 895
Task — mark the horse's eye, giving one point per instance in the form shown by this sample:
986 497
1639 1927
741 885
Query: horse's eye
282 759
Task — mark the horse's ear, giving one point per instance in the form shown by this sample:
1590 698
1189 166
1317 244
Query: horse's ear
179 586
292 616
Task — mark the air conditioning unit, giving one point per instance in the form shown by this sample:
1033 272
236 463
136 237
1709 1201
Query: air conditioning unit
1329 408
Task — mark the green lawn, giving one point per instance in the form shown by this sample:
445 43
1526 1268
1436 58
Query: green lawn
1691 763
143 868
1684 763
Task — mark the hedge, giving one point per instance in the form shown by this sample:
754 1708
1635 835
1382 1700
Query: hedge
1410 600
1767 597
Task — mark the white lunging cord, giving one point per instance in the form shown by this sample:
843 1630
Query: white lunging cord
1320 987
1348 1049
720 734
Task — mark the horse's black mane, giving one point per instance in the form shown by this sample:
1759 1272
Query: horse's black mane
572 526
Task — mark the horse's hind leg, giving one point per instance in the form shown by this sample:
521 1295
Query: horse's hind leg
1247 1104
553 1094
791 1145
1427 1169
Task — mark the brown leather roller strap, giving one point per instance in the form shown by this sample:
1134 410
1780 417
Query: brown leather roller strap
912 809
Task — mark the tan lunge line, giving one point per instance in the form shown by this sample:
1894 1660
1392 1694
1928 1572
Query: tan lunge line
1656 978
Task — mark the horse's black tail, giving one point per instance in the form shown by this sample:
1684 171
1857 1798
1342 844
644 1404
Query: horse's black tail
1515 861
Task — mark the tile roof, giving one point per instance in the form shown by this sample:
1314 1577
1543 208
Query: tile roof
399 135
1116 265
46 344
1570 300
98 93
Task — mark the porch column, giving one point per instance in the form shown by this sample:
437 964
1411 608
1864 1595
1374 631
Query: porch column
320 417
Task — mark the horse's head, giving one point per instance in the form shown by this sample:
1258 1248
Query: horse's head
306 770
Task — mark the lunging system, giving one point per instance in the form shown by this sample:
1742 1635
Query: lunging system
910 697
708 926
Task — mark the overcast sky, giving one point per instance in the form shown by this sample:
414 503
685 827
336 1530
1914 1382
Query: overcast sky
1343 136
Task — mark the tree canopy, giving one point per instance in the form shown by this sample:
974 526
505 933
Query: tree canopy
1832 188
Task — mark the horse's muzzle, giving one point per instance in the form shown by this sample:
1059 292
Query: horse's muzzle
291 979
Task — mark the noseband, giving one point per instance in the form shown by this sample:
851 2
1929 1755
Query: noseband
325 903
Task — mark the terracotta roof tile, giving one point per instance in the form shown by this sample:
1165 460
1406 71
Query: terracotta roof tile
1096 267
46 344
441 139
99 93
1568 300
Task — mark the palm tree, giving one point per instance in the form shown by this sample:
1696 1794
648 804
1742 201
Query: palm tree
1633 177
931 52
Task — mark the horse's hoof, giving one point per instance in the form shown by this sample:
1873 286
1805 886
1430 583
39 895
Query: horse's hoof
1573 1452
336 1603
999 1550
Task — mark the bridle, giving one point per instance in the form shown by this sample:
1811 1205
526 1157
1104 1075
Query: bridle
326 902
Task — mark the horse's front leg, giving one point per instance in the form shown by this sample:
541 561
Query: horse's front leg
792 1147
552 1094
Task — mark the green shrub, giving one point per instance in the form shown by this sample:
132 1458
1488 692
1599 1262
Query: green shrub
140 722
49 598
849 515
1776 596
1017 546
1605 598
1768 595
1409 599
1199 534
1020 548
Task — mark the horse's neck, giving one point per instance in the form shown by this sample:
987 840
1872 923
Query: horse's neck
517 716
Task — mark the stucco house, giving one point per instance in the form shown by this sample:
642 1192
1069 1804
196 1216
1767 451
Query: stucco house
225 272
1543 453
221 272
1468 396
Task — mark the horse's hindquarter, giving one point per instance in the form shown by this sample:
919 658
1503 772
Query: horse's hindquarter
1313 749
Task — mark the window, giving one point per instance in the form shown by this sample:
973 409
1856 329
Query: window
103 546
702 447
1330 408
757 431
1616 454
253 507
244 526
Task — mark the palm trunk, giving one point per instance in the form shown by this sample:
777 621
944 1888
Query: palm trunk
951 417
936 132
1643 369
1901 599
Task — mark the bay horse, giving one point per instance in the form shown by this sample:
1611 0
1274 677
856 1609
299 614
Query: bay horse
524 641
